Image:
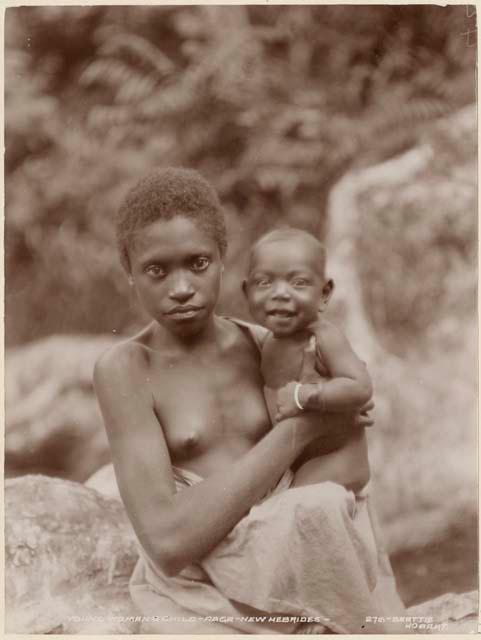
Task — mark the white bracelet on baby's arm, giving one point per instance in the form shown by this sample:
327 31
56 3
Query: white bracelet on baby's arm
319 392
296 396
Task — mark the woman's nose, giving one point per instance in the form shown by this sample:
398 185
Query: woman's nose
181 288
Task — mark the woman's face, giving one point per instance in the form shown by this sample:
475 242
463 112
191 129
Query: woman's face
176 270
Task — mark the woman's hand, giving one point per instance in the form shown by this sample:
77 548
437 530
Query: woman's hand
287 408
364 418
286 403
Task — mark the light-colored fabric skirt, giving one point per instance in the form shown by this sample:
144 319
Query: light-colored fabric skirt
302 559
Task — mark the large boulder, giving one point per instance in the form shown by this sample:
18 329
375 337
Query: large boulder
68 554
450 613
53 424
402 250
105 482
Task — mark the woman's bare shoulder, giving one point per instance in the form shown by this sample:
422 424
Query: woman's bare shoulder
123 361
119 381
257 335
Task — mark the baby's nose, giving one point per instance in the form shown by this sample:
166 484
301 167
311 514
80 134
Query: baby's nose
280 291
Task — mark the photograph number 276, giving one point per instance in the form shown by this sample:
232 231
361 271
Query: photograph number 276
240 319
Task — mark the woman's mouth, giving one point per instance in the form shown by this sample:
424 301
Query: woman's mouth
184 312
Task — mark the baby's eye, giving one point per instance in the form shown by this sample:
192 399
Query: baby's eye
155 271
262 282
200 263
300 282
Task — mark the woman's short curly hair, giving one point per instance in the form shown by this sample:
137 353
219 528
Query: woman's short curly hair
165 194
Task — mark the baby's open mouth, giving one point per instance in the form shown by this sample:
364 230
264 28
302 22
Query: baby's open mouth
281 313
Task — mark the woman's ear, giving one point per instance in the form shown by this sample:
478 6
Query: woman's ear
327 291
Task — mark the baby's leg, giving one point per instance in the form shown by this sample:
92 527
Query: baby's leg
348 466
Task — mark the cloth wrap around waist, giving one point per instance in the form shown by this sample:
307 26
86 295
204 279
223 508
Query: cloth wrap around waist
304 552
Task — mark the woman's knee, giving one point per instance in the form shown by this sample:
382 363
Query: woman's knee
329 498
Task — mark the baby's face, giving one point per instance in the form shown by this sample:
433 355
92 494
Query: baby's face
286 284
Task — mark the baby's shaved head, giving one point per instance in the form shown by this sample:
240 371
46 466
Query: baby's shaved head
287 235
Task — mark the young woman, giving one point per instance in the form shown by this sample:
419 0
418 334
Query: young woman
184 409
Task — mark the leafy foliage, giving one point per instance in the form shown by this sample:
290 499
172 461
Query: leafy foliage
272 104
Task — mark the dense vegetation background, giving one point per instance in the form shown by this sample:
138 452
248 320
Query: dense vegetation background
274 105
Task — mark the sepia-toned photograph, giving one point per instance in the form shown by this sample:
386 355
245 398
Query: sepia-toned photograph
241 339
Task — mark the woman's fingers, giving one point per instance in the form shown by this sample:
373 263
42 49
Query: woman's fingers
364 420
369 406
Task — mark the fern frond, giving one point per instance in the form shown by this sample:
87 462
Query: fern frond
106 71
395 131
136 89
103 118
140 51
413 113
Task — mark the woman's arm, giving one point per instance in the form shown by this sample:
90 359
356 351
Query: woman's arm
349 387
178 529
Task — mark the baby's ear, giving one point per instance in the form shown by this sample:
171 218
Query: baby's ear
244 287
327 291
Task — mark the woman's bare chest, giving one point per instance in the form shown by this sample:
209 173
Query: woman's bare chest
202 405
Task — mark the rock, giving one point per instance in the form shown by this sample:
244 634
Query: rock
105 482
450 613
69 552
389 225
53 424
86 609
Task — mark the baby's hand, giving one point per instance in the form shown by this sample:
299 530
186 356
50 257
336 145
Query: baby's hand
286 404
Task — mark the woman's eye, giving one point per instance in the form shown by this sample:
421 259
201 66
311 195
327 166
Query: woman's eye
200 264
155 271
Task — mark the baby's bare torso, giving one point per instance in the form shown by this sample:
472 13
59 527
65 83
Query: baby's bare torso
282 363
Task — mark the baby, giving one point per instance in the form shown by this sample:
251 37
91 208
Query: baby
290 553
287 291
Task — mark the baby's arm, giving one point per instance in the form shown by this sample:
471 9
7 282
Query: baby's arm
349 389
349 386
